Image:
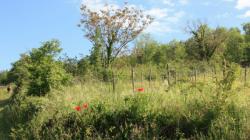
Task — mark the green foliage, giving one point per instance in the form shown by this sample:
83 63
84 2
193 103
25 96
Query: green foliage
70 65
84 67
185 96
4 80
205 42
246 28
148 51
45 72
19 73
96 52
38 71
230 75
234 50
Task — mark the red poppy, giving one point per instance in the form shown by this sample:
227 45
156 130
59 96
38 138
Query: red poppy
78 108
85 105
140 89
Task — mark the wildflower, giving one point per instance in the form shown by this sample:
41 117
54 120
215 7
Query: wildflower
78 108
140 89
85 105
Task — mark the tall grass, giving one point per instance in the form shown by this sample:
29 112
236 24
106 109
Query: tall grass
184 110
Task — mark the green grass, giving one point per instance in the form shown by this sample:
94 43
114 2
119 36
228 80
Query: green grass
184 110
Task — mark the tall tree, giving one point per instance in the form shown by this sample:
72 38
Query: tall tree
96 52
234 46
117 27
246 28
205 40
246 53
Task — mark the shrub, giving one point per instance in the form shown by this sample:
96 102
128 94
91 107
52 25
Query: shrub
39 71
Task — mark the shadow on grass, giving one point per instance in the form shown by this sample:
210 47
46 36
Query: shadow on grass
4 101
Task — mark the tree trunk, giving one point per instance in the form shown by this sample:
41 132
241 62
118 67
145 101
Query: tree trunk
109 56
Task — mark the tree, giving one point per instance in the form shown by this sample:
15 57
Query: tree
39 71
4 77
83 66
70 64
19 73
246 52
145 49
117 27
45 72
96 53
205 41
246 28
234 46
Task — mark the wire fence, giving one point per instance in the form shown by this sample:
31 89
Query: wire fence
151 79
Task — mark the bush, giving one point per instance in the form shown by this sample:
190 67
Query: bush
38 71
4 78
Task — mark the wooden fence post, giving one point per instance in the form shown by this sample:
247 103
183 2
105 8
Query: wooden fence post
195 75
204 76
168 75
245 76
215 73
132 79
175 76
141 79
224 69
113 81
150 78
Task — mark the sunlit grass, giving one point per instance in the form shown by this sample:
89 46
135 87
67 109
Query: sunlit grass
190 100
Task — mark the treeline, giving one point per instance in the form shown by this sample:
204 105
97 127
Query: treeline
205 46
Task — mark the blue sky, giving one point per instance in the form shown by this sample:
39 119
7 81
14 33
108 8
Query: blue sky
25 24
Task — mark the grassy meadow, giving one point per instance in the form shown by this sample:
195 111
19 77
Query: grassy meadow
92 110
129 86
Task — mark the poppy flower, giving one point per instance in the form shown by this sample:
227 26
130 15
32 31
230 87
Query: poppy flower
78 108
85 105
140 89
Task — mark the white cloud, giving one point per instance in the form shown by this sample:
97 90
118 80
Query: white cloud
228 0
168 2
157 27
93 4
242 4
157 12
96 5
184 2
246 15
172 3
164 23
